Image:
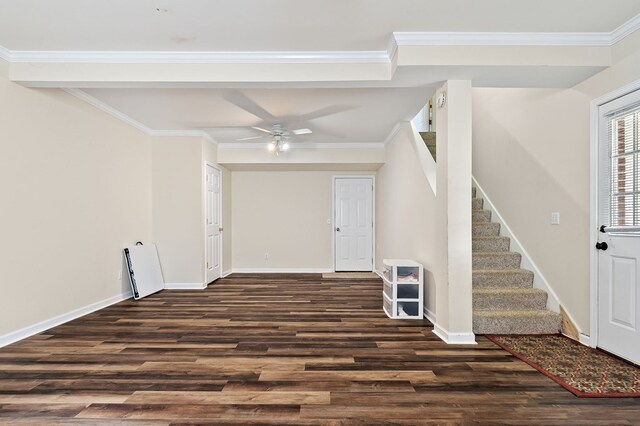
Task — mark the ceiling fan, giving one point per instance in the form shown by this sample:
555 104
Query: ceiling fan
279 137
275 129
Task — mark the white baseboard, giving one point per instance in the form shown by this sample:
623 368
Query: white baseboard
454 338
23 333
185 286
226 273
280 271
585 340
429 315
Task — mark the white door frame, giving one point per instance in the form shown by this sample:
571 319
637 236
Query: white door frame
204 216
333 217
593 203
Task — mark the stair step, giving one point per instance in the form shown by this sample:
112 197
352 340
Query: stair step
516 322
509 299
481 216
476 203
473 192
496 260
502 278
490 243
485 229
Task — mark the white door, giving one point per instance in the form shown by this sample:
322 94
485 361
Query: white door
619 240
213 246
353 201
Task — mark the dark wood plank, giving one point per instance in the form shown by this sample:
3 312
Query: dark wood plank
276 349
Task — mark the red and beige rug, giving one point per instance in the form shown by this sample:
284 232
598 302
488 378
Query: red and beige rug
582 370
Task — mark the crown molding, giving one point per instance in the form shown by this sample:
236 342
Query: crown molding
108 109
143 57
183 133
5 54
134 123
303 145
625 29
501 39
331 57
518 38
393 133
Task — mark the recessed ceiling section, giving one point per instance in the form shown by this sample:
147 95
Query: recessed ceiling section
333 115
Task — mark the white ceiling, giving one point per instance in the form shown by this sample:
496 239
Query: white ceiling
334 115
363 111
282 25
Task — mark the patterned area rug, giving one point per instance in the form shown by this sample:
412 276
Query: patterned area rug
582 370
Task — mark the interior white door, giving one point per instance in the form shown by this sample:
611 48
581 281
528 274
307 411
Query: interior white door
353 201
619 240
213 209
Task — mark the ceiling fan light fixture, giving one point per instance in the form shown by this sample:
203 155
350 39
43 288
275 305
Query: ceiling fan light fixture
285 146
272 146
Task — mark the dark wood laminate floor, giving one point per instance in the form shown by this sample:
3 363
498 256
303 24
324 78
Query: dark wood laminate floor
276 349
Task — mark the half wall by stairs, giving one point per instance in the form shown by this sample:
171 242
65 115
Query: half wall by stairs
504 299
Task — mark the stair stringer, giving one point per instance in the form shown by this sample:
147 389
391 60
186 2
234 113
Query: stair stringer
539 281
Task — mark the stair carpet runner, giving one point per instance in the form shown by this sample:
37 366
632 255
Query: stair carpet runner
504 299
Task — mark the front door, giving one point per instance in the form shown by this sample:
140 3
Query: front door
619 240
213 246
353 201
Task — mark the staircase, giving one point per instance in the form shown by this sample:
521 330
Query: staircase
504 299
429 139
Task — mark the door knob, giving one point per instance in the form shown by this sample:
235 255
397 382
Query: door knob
602 246
337 229
220 229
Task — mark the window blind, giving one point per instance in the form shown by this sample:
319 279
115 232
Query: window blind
624 167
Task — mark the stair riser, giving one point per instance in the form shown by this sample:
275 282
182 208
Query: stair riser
507 261
476 203
481 216
486 229
519 325
490 244
494 302
502 279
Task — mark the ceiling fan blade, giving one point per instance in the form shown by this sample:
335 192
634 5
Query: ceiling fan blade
242 101
261 129
303 131
248 139
323 112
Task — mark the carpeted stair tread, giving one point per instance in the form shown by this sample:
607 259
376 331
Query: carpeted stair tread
481 216
504 299
485 229
490 243
516 322
496 260
502 278
429 139
509 298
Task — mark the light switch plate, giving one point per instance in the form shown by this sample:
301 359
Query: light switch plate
555 218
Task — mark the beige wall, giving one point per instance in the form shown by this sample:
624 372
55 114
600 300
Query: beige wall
283 214
531 156
408 223
178 215
432 227
76 189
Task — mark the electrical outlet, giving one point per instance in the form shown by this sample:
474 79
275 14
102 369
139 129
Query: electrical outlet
555 218
328 221
266 256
